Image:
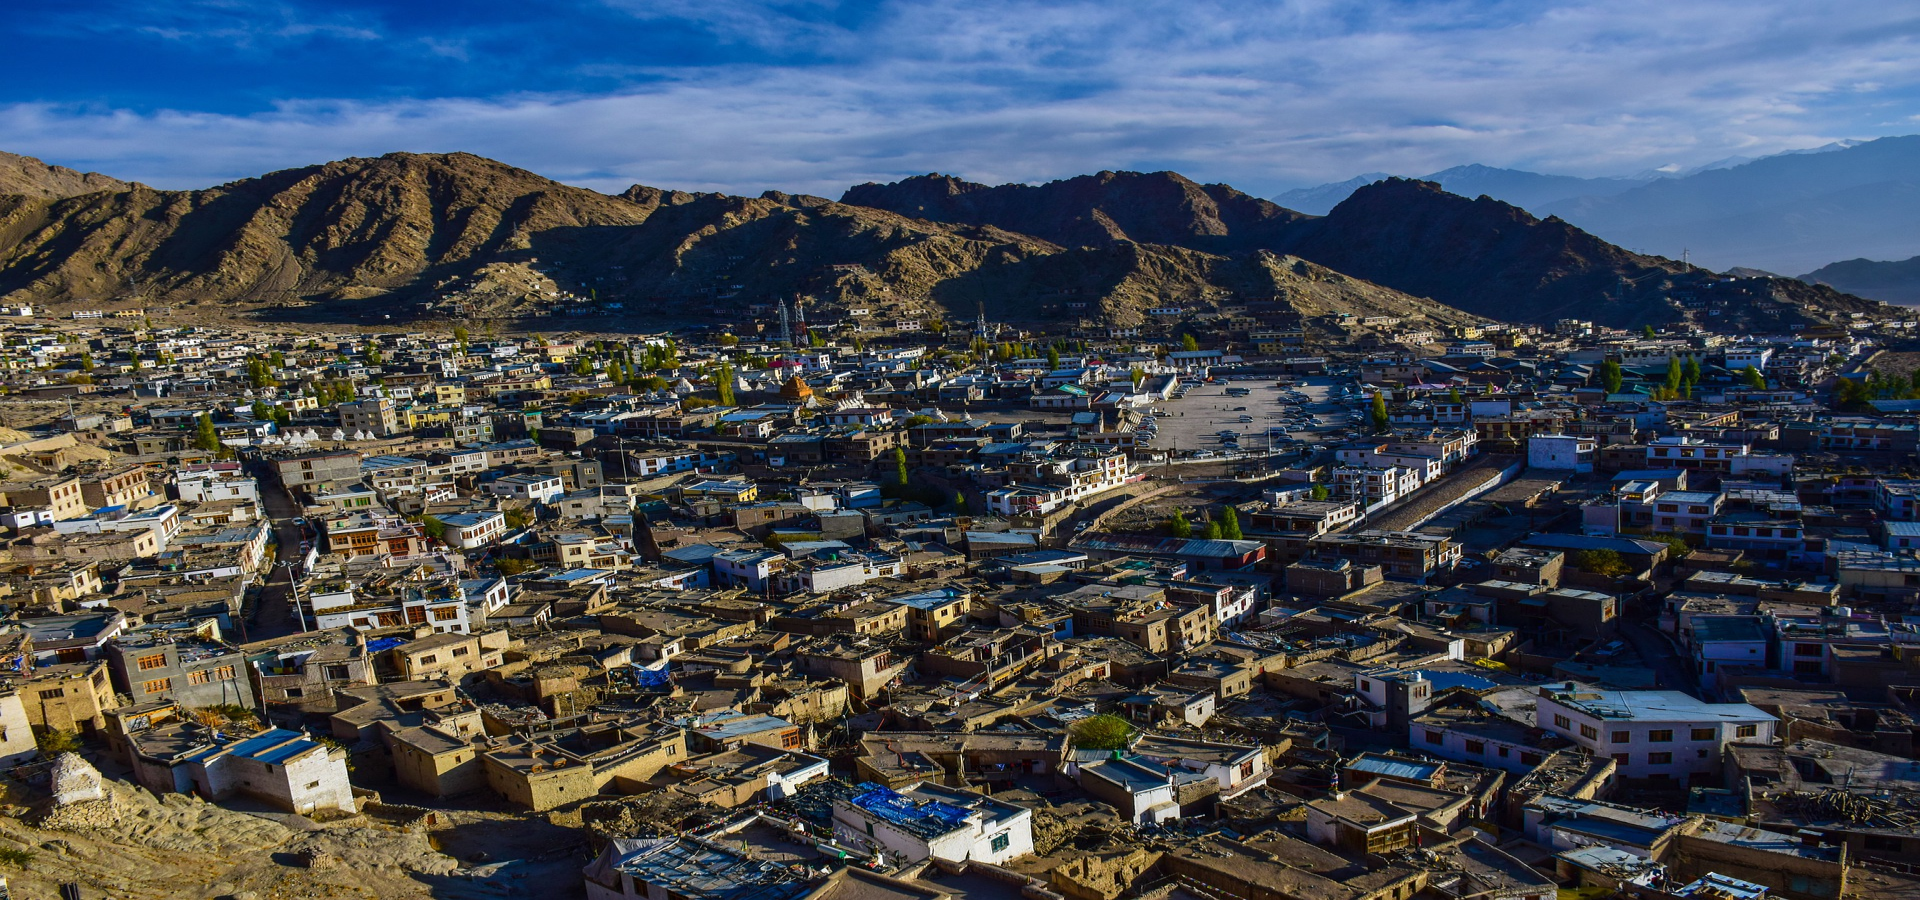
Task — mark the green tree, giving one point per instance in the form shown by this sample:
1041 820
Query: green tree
508 566
460 337
374 356
1378 413
1318 493
1648 332
960 502
1453 396
1611 378
277 359
900 466
433 527
723 384
262 412
917 421
1674 376
1212 532
518 517
1139 375
86 362
1053 358
1691 371
205 437
727 340
133 360
54 741
1758 382
1189 342
1178 526
1230 524
1605 563
1101 732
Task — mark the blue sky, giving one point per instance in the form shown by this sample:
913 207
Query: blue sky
814 95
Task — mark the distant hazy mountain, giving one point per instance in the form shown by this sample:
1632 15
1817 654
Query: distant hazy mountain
1894 282
1789 212
1786 213
1516 186
1321 199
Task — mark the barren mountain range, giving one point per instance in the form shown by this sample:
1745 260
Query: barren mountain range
422 236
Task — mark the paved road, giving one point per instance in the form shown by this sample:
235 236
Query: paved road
272 614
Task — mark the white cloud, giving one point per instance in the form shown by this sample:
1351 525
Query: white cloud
1264 96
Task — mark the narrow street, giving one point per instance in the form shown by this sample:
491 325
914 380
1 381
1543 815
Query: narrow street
272 614
1671 671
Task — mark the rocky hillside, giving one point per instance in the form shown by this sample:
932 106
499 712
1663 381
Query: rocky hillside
458 236
409 235
1486 257
1092 210
30 177
347 229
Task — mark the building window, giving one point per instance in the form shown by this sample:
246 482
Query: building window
1659 759
1622 737
1433 737
1589 732
1529 759
1000 841
1476 747
156 686
1562 722
428 660
1746 731
790 740
1660 736
201 677
155 661
1704 734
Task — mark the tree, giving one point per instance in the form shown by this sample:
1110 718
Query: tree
54 741
723 384
277 359
433 527
205 437
373 356
900 466
262 412
134 360
1318 493
1757 381
1212 532
518 517
1674 376
1453 396
917 421
86 362
1101 732
460 337
1139 375
1692 370
960 502
1188 342
1178 526
1378 413
1648 332
1611 378
509 566
727 340
1605 563
1230 524
1053 358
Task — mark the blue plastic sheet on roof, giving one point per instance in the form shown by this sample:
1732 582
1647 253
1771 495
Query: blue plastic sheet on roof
378 644
892 806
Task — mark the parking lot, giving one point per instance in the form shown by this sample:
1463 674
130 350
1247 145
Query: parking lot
1309 411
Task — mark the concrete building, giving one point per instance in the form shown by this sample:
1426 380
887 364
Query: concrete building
926 821
1655 735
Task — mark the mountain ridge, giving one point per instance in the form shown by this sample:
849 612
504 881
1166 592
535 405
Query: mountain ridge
436 235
